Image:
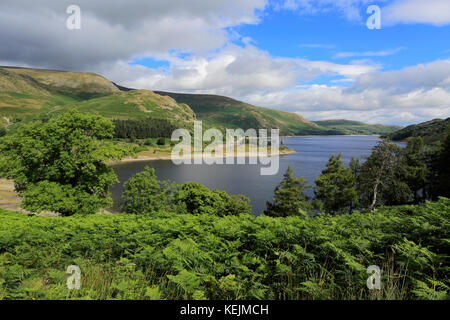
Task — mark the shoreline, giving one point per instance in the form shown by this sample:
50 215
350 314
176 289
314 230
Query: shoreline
194 156
333 135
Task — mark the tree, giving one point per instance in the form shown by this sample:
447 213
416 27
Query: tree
290 197
335 187
440 169
144 193
194 198
414 168
379 180
62 164
161 142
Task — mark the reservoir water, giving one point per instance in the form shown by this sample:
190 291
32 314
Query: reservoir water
312 153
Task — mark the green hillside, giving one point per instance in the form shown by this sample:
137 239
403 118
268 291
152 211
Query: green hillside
223 112
28 93
430 131
345 127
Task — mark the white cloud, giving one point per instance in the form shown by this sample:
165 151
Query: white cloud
381 53
435 12
234 71
111 30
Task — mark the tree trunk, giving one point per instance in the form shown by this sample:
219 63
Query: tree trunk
374 196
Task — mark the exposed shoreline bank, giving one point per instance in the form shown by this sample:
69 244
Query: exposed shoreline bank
194 156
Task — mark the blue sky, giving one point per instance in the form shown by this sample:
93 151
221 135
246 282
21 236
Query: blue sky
330 36
313 57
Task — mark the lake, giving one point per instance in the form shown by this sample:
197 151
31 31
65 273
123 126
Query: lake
311 157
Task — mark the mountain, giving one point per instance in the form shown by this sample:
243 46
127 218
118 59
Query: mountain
27 93
223 112
430 131
345 127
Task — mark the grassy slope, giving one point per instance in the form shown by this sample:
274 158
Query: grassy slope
430 131
356 127
27 93
223 112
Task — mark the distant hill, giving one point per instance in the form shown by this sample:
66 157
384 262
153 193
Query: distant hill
430 131
223 112
345 127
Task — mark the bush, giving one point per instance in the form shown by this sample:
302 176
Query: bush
149 142
161 142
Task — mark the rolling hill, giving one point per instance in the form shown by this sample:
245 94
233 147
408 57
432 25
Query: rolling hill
223 112
28 93
345 127
430 131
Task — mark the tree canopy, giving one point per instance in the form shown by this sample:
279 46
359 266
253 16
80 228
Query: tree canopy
335 187
290 197
62 164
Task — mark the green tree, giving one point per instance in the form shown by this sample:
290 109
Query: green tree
380 180
439 183
414 168
161 142
335 187
290 197
194 198
62 164
144 193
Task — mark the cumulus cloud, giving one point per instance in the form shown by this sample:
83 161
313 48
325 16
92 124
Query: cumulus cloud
113 30
403 96
236 71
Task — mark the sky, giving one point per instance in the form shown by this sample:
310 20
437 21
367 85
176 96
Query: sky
317 58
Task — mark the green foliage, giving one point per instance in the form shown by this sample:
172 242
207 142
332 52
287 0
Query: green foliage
143 128
439 180
431 131
194 198
335 187
144 193
161 142
289 198
166 256
68 155
2 131
414 168
381 178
